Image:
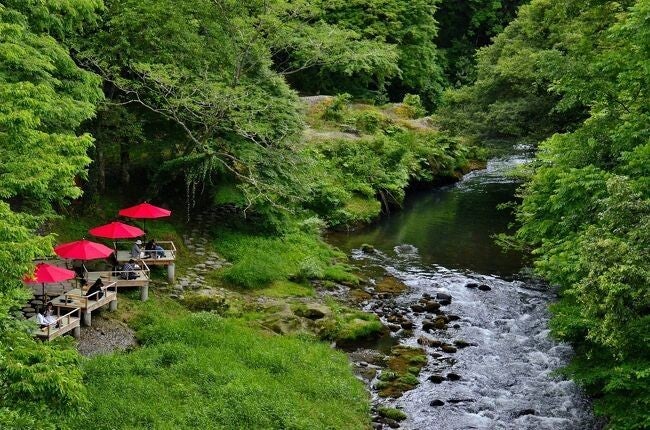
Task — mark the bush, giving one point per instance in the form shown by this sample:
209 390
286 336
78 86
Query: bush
371 122
336 110
414 105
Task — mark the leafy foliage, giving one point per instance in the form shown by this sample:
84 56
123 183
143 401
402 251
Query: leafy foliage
464 28
44 97
586 209
515 93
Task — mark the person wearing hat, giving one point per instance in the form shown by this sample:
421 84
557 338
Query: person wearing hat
135 251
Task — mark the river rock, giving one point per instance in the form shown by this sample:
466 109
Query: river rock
453 376
407 325
422 340
436 403
368 248
427 325
431 306
471 285
426 295
448 349
443 296
393 327
440 323
451 317
462 344
392 423
484 287
417 308
436 379
526 412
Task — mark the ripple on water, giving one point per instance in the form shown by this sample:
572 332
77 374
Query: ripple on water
507 378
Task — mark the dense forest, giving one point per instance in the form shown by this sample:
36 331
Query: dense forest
205 104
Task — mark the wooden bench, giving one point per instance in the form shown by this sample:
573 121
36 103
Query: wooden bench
119 278
86 304
69 322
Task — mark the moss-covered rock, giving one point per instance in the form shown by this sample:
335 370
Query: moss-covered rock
403 366
391 285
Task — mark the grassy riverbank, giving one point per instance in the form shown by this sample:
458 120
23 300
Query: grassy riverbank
202 370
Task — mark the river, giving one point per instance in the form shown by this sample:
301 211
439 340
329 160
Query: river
441 241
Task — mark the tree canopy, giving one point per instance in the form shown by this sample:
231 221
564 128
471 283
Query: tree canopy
44 97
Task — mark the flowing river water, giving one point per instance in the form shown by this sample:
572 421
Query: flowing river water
441 241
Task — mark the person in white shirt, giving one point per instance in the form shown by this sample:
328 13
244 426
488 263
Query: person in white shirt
47 316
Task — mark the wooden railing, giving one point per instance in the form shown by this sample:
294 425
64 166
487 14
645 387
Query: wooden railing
61 322
119 275
167 246
83 299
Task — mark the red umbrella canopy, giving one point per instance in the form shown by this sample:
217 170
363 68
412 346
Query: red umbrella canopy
46 273
145 210
116 230
83 250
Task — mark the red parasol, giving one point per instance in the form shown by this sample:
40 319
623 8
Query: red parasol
83 250
46 273
116 230
145 211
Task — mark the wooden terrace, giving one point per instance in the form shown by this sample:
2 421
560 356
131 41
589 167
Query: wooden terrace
68 322
88 303
120 278
168 259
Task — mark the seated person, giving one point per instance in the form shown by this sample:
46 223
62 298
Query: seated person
128 270
46 317
160 252
150 246
112 261
78 267
135 250
96 287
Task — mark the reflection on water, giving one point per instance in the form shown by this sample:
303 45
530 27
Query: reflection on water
439 242
451 226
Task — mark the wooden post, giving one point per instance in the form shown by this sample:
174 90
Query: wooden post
112 305
86 318
144 292
171 272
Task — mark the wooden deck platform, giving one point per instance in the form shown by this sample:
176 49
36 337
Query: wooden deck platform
86 304
68 322
117 278
169 259
123 256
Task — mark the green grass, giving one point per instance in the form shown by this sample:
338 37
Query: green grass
203 371
259 261
281 289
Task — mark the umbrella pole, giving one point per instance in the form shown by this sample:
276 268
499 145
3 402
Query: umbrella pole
44 296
